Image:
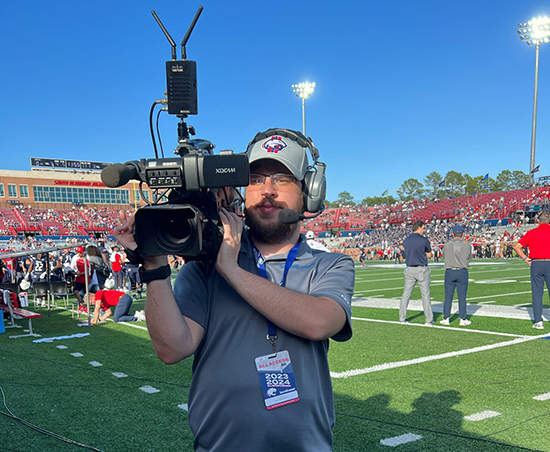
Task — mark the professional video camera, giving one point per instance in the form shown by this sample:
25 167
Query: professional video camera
183 220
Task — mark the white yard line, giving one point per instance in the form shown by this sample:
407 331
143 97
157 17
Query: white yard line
501 295
467 330
471 272
386 366
433 283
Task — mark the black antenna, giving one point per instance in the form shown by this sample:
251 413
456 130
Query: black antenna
187 35
170 40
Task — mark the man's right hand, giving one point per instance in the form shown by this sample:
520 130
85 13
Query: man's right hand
124 233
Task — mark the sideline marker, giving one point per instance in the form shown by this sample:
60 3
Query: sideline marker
481 416
399 440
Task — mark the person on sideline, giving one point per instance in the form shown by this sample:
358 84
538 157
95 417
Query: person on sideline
78 264
265 279
314 244
104 300
458 254
538 242
417 252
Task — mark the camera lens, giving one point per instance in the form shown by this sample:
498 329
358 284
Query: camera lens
170 229
176 230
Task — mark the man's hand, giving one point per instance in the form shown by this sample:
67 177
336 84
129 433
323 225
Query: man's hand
229 250
124 233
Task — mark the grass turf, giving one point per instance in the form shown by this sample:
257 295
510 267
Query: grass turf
49 387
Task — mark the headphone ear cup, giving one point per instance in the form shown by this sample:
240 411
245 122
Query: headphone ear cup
315 187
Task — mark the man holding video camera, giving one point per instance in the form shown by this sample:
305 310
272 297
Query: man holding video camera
258 319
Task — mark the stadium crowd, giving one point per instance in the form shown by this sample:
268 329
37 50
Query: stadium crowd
372 232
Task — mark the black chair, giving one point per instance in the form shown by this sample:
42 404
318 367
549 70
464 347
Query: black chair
12 287
40 289
59 288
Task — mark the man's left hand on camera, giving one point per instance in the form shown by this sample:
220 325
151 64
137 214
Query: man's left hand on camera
226 262
124 233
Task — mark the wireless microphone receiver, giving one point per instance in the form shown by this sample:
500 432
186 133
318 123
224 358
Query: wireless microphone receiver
181 75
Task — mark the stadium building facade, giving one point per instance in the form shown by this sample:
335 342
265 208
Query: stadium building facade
54 189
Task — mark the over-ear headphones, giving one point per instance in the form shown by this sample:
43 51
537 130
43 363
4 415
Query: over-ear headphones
314 185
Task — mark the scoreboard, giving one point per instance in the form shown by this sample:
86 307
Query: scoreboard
68 164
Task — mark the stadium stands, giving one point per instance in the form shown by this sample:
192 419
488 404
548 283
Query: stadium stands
492 209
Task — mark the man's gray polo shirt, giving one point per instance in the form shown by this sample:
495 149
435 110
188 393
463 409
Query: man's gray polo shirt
226 403
458 254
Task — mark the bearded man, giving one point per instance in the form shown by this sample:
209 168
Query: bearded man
258 320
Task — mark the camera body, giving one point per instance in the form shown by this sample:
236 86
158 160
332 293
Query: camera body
189 189
184 219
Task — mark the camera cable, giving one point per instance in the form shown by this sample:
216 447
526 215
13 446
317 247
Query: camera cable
9 414
155 103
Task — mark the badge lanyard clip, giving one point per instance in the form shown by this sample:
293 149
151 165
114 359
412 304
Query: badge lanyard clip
260 263
272 340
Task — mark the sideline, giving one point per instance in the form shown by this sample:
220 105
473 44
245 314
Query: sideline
139 327
477 309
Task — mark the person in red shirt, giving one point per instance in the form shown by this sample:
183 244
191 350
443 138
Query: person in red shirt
116 260
538 242
77 264
120 301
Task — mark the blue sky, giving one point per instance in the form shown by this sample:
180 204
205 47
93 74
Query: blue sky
403 87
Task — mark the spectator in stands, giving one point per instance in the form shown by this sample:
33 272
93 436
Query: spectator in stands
538 242
458 254
107 299
417 252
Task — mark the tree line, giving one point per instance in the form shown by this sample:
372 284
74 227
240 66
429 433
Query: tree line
436 186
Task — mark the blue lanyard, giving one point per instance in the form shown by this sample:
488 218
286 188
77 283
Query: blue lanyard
260 263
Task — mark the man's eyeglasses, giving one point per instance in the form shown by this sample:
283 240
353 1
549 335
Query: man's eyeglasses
279 181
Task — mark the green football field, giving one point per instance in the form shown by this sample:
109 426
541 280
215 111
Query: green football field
404 387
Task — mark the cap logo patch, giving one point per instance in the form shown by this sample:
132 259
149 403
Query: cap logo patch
274 144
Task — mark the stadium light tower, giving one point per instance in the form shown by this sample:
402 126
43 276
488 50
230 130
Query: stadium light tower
303 90
535 32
